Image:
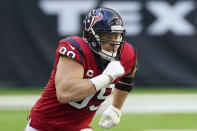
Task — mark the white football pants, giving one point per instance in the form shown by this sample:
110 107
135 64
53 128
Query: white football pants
29 128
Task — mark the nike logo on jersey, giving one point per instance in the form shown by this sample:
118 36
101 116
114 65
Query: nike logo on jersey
72 47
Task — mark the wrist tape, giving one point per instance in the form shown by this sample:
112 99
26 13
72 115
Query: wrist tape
100 81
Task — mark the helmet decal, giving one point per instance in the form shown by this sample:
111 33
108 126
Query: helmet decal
95 19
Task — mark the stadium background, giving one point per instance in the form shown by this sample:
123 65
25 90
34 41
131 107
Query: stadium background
166 42
164 32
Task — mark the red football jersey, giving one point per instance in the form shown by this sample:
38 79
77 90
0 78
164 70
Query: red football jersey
50 115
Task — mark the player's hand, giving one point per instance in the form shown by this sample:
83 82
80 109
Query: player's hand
110 117
114 69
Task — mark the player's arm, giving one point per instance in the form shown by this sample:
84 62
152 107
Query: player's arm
123 87
69 82
126 83
112 114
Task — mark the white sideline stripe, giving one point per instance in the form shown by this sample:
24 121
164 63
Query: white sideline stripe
135 103
171 130
157 103
21 102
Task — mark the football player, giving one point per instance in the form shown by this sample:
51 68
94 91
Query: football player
85 70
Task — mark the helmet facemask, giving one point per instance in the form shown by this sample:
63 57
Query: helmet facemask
110 45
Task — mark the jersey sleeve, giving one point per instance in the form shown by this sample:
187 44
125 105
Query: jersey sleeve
70 48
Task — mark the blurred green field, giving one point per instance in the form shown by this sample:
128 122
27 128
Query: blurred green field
13 120
16 121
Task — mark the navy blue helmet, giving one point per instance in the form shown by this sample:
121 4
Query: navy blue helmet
103 20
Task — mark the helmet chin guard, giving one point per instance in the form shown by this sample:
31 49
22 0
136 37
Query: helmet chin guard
106 55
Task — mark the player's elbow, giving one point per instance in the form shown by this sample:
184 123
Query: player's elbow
62 98
62 93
